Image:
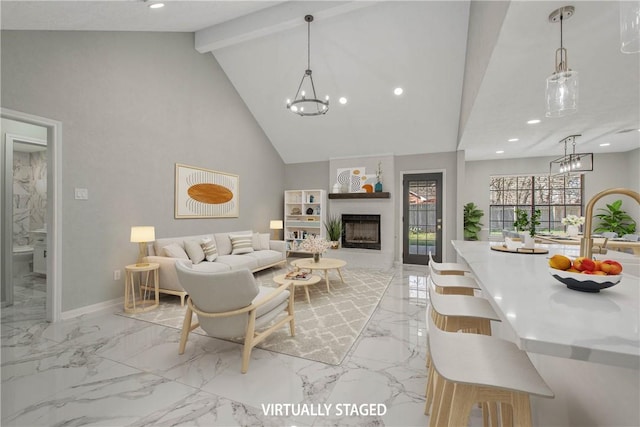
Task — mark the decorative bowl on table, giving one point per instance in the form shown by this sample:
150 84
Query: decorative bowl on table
585 282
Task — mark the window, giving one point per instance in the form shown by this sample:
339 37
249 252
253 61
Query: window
556 197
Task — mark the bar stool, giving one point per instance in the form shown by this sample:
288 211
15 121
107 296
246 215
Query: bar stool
471 368
453 284
453 313
448 268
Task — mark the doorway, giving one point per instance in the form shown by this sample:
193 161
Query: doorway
422 218
52 240
26 201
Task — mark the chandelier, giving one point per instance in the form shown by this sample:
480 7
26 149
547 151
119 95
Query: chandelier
301 104
571 162
562 85
630 26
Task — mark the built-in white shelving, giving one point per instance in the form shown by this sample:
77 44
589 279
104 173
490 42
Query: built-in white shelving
304 215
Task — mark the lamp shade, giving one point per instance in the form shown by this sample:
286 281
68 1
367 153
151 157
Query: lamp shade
143 234
562 93
275 224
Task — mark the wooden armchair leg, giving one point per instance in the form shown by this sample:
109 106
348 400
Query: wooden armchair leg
186 328
248 341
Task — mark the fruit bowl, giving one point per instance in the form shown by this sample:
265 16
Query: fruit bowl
585 282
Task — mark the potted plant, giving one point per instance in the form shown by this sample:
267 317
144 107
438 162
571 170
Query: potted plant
614 219
522 220
334 230
472 224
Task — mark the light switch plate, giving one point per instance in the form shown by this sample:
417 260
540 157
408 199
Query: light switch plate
82 194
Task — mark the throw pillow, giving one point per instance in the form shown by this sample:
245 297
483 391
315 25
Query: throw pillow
209 248
255 242
241 243
174 250
194 251
264 241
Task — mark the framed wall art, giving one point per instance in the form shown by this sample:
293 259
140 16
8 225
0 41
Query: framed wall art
204 193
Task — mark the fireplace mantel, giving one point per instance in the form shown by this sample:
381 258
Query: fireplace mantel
378 195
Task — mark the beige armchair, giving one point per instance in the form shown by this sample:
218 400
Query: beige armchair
230 305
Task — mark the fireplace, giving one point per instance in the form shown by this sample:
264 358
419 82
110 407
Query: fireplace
361 231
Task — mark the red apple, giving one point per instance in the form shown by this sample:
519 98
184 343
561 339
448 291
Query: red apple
584 264
611 267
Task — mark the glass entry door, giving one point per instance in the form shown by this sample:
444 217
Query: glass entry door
422 218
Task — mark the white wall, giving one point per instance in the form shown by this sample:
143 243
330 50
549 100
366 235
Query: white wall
609 171
131 106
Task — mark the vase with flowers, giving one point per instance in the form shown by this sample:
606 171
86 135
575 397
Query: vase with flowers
316 245
378 186
573 222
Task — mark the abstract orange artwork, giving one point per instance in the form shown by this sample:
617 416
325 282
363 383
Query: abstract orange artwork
204 193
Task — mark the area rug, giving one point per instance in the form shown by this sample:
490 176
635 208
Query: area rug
326 329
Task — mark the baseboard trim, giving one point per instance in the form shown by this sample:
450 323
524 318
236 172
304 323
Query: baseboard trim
92 308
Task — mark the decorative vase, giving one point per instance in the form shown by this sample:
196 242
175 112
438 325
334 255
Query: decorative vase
337 187
378 187
316 257
529 242
335 244
572 230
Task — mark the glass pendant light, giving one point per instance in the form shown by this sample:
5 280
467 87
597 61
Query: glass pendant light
630 26
562 85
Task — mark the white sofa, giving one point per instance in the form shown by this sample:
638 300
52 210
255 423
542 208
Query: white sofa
266 253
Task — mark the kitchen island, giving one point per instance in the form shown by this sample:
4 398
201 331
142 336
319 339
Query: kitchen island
585 345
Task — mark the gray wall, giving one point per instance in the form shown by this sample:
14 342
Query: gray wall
307 176
131 106
609 171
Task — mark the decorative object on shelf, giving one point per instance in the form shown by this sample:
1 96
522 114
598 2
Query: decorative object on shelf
296 211
571 162
344 179
311 198
378 185
276 225
316 210
357 179
337 187
334 230
309 211
315 106
204 193
614 219
316 245
472 224
629 26
142 235
562 85
368 188
573 222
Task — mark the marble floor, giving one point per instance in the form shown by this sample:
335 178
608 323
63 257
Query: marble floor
109 370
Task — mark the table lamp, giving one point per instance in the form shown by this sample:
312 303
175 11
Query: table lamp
142 235
275 225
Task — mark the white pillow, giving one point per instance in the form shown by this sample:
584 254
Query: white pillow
241 243
255 242
209 248
174 250
194 251
265 238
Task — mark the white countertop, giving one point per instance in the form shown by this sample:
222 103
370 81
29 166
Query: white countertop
547 317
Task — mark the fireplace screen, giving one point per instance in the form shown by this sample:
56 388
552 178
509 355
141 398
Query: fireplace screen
361 231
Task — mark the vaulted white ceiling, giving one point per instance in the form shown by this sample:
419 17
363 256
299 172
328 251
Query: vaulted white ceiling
363 50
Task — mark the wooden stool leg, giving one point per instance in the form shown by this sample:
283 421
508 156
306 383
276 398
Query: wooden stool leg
463 399
522 410
506 415
438 385
444 407
429 393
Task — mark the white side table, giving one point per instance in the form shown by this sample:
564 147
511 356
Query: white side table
141 302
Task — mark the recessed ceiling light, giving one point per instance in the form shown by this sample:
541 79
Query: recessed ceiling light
398 91
156 5
500 152
606 144
533 122
342 100
513 139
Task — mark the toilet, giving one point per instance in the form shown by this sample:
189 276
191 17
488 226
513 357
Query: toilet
22 260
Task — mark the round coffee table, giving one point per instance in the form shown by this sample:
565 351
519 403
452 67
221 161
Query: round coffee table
325 264
311 280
